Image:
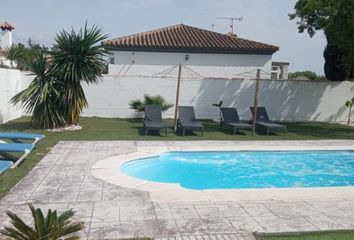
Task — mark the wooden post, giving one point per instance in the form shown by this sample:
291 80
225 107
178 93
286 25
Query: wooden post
255 103
177 94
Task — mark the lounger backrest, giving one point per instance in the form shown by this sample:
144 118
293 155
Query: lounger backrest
262 115
186 114
229 115
153 113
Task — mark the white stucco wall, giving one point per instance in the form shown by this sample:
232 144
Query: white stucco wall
10 84
285 100
198 65
5 39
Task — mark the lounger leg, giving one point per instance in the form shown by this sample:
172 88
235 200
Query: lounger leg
18 161
146 131
183 132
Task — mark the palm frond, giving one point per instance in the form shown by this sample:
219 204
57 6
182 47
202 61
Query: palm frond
138 105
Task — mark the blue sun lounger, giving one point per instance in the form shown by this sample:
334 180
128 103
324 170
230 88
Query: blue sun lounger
4 165
19 137
6 148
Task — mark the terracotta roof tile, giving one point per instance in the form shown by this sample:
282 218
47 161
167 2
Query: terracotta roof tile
184 38
6 26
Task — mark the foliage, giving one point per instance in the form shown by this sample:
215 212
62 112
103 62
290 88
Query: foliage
15 54
349 104
309 74
335 18
49 227
334 67
138 105
77 58
22 55
218 104
56 97
41 97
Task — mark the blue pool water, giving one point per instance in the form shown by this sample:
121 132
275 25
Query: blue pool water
225 170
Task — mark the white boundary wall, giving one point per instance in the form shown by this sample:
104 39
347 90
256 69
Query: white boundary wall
285 100
11 82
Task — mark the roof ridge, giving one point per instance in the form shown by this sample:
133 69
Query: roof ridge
185 37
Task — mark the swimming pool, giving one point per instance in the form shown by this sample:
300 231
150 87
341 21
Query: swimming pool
238 170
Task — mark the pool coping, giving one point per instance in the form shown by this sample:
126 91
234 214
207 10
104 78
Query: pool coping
108 170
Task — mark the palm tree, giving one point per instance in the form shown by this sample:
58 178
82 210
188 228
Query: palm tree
77 58
15 54
49 227
41 97
138 105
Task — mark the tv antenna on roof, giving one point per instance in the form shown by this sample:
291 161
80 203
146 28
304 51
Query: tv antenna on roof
232 19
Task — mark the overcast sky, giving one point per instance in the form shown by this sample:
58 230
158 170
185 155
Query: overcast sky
263 20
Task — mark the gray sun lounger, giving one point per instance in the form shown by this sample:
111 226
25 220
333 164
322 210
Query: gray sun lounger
22 148
187 120
262 120
229 117
153 119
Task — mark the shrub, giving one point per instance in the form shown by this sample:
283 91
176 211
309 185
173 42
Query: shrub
138 105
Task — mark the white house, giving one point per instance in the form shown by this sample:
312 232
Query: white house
5 39
203 54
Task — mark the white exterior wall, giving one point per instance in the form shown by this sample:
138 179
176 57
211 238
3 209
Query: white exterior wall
5 39
198 65
284 100
11 82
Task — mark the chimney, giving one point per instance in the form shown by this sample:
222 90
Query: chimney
6 34
231 34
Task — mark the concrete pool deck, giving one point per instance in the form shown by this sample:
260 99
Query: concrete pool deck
64 179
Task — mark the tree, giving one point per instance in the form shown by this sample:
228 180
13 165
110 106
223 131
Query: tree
309 74
77 58
15 54
335 18
42 96
138 105
349 104
49 227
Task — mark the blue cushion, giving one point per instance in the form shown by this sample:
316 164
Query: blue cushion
4 165
15 135
15 147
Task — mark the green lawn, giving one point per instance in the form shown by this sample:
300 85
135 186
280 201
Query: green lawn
335 235
119 129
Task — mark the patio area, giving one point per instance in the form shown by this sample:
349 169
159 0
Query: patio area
63 180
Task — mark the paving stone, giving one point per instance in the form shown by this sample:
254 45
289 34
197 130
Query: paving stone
291 209
194 226
323 222
108 230
184 211
285 224
168 228
105 212
162 211
257 209
326 208
245 224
